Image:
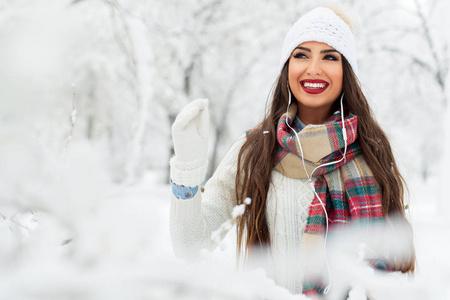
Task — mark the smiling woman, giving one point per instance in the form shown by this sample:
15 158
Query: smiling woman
315 80
316 163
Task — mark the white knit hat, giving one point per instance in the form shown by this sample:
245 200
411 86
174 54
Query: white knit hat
321 25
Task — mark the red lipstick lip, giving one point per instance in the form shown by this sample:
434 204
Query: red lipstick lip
314 91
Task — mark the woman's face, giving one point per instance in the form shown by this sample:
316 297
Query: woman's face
315 78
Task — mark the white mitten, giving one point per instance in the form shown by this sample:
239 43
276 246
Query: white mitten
190 141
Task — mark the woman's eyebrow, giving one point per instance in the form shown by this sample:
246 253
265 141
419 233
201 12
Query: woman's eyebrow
303 48
322 51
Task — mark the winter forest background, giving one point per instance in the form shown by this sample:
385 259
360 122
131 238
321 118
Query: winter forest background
89 90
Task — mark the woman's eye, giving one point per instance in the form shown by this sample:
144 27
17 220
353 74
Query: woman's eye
300 55
331 57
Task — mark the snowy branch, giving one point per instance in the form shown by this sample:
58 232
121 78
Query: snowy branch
238 210
73 119
431 45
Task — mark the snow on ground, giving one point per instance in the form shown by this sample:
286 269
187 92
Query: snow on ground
123 250
431 232
89 239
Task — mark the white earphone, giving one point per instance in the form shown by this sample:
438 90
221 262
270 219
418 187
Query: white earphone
344 134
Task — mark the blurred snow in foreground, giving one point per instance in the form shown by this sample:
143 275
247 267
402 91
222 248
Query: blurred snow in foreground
119 247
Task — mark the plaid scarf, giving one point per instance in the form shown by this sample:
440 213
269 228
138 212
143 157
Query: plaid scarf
348 189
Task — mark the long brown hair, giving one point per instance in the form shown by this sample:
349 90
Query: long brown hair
256 160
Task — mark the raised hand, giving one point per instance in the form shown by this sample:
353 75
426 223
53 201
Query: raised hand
190 132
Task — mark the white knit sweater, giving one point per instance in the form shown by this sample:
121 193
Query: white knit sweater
192 221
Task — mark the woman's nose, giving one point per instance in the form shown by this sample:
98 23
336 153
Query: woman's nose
314 68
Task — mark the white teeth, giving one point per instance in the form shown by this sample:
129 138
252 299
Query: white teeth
314 85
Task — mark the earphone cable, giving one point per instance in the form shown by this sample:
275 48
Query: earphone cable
344 135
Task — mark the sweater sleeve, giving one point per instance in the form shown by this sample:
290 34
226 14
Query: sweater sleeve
193 220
